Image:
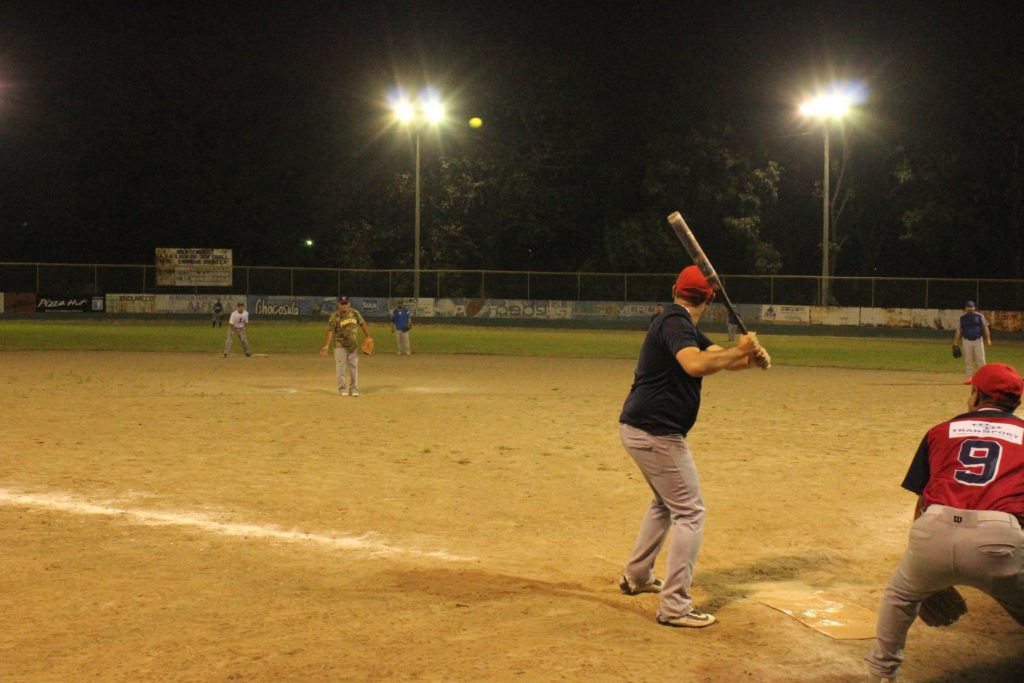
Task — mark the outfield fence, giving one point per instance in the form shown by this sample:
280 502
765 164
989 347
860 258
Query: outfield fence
71 279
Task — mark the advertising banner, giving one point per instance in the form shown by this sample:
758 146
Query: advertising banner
130 303
193 267
195 303
615 310
519 309
19 302
886 317
370 307
834 315
64 304
1001 321
291 306
779 313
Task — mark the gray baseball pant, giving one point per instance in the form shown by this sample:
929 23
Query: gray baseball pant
402 340
230 339
668 467
347 359
974 354
949 547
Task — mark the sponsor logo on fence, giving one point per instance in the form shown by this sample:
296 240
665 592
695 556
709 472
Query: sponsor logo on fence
66 304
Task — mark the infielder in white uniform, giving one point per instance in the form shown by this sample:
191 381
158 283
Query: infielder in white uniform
236 326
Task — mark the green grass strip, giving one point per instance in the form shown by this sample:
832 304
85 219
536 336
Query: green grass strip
881 353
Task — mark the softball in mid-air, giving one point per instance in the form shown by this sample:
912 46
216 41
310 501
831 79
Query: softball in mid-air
476 122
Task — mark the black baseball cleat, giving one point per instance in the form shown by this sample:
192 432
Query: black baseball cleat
628 588
692 619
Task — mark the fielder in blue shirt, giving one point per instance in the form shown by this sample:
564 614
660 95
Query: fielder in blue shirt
972 336
401 323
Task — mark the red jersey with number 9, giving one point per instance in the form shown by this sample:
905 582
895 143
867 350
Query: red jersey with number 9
973 462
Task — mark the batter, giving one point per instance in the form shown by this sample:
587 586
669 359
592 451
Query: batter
660 410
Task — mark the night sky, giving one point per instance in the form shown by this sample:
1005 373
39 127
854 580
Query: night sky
127 126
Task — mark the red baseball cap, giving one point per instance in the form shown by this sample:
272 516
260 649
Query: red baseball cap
692 284
998 380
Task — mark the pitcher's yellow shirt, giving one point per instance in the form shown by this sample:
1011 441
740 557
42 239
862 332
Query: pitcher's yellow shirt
344 326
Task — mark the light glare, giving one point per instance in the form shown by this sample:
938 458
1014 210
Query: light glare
831 106
433 111
404 111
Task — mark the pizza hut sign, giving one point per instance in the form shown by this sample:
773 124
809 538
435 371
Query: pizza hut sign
47 304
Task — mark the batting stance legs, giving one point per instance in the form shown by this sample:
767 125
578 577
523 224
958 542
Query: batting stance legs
668 467
347 359
979 548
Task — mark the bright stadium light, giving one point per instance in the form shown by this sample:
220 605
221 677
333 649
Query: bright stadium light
404 111
830 106
428 109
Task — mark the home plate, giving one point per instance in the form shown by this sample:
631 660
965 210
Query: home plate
832 615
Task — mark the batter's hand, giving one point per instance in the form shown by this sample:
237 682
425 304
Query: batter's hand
748 344
762 359
943 608
323 350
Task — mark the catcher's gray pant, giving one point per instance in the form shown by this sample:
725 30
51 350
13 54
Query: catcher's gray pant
668 467
949 547
241 337
347 359
974 354
402 339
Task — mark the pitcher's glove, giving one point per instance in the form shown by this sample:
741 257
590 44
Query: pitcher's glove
943 608
956 351
367 346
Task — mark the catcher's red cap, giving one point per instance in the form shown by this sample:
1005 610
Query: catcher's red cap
692 284
998 380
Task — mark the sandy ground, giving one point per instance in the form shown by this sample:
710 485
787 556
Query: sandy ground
184 517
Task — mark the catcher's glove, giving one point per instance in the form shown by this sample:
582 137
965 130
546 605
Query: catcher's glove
943 608
956 351
367 346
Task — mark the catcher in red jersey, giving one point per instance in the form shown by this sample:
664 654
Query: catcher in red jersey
969 476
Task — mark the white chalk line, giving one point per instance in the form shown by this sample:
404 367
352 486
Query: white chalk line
70 504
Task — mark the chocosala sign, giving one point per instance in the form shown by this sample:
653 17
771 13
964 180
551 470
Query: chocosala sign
65 304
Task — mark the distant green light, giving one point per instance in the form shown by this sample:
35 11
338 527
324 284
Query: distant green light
308 243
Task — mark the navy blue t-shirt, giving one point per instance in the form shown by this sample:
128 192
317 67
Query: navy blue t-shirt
971 325
664 400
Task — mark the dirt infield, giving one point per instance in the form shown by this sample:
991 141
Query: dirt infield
184 517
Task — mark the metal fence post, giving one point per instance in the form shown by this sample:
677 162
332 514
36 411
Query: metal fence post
926 292
872 292
483 290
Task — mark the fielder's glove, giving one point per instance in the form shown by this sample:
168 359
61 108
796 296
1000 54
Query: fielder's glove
943 608
956 351
367 347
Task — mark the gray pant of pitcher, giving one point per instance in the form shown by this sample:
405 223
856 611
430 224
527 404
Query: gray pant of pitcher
949 547
347 359
668 467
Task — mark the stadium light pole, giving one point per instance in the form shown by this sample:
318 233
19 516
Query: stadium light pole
825 108
428 109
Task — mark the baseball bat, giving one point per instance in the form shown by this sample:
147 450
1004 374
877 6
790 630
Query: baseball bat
700 259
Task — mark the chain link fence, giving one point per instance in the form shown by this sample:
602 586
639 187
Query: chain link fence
67 279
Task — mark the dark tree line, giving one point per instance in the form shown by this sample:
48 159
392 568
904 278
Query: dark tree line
266 135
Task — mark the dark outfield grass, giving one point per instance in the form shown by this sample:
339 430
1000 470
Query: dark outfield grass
926 353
